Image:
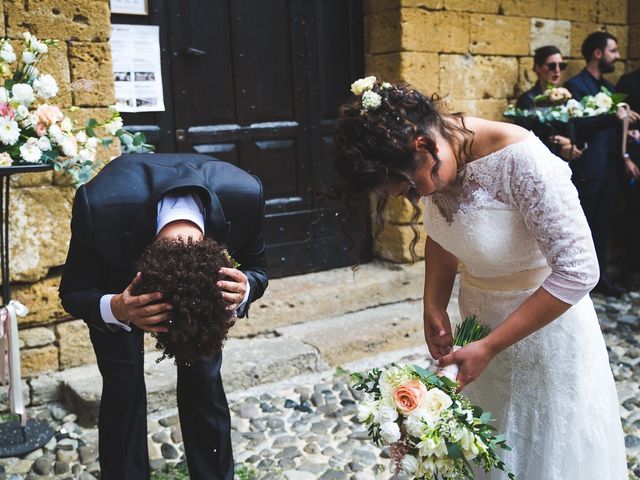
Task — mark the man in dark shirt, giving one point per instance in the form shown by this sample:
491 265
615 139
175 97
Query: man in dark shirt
598 172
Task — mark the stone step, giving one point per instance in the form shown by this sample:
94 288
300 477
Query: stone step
309 347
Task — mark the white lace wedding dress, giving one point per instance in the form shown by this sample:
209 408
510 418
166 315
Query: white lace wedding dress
515 221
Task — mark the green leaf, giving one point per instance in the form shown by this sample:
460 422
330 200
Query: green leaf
454 451
107 141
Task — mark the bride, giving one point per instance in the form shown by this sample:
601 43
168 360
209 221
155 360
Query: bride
503 205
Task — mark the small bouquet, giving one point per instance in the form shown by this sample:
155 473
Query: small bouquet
432 431
556 105
34 131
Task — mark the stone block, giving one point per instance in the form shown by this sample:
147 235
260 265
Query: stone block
383 32
66 20
34 179
42 300
39 231
36 337
472 6
75 345
632 65
429 31
331 293
550 32
3 27
56 63
419 69
499 35
91 74
465 77
613 11
491 109
526 76
45 389
394 243
580 31
633 12
583 11
529 8
634 42
35 361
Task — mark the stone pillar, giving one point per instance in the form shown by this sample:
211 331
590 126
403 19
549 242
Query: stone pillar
478 55
41 203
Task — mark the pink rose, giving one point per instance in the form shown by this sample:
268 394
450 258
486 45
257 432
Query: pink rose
7 111
409 395
48 114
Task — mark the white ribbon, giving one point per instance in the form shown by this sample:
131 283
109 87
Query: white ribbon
451 371
10 349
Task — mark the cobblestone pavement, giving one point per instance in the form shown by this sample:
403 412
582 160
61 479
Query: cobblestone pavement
309 431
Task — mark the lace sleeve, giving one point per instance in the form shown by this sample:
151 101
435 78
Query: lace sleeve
542 191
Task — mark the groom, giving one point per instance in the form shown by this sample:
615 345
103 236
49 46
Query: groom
133 201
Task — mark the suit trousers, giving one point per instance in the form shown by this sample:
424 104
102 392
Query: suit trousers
122 424
597 197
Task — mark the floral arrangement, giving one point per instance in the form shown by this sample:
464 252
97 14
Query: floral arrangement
363 87
432 431
556 105
34 131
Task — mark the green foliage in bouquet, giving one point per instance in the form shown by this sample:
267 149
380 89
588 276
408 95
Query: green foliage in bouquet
470 330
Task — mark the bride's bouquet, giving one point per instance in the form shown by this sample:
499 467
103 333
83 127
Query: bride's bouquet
432 431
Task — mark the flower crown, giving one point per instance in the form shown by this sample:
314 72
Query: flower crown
363 87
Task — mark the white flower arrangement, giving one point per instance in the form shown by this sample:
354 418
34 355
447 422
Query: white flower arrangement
363 87
432 431
557 105
33 131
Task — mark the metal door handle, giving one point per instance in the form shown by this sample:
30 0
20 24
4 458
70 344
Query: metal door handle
194 52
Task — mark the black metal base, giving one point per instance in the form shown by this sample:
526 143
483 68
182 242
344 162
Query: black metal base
16 441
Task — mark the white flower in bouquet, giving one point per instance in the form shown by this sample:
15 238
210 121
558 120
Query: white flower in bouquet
92 143
44 143
86 155
29 151
23 93
574 108
389 432
415 423
9 131
410 464
22 113
366 409
5 159
45 86
69 146
385 414
432 446
39 46
6 53
55 133
362 85
66 124
435 402
113 126
603 102
81 136
4 95
371 100
28 57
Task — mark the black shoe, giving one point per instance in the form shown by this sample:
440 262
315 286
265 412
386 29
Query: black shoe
607 288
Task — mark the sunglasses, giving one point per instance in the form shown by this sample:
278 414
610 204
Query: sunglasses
553 65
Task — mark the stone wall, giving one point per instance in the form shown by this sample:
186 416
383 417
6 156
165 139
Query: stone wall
478 53
41 203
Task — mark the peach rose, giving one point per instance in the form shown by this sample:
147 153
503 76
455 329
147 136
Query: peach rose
49 114
409 395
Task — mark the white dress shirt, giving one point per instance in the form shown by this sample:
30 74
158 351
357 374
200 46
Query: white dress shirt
171 207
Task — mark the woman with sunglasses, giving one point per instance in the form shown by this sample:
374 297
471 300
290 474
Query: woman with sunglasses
548 65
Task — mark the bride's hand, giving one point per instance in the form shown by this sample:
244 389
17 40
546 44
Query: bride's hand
437 332
472 359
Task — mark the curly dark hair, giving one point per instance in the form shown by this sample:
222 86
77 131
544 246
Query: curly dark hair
376 147
186 272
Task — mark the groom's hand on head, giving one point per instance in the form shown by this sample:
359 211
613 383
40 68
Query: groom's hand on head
233 287
145 311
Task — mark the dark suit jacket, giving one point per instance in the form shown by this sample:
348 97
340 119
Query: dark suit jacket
630 84
114 219
601 158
